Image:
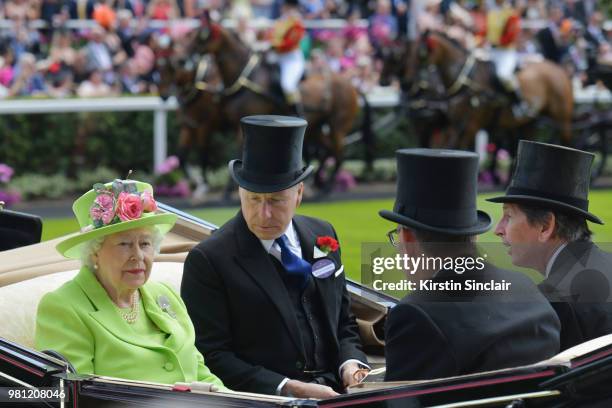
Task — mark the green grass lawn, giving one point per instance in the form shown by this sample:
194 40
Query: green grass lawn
357 222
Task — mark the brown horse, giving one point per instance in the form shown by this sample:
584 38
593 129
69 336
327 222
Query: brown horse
251 87
423 98
196 85
474 101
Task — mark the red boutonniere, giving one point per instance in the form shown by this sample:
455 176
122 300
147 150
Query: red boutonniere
327 244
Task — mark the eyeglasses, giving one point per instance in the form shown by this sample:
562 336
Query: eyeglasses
393 236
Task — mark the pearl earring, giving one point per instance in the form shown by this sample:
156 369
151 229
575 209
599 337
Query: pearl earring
96 267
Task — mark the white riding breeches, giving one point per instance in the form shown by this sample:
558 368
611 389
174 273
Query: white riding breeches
505 63
292 68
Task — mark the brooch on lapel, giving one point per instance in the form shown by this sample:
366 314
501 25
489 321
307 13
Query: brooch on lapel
324 268
164 304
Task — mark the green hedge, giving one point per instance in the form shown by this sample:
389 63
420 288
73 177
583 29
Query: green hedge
49 143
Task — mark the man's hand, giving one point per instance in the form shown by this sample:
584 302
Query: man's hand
301 389
352 374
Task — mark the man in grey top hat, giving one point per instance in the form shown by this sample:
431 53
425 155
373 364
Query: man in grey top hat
266 292
544 224
446 328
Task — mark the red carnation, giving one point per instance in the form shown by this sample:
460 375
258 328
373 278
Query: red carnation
327 244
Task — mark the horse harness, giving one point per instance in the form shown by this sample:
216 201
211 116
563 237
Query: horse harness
463 79
461 83
244 81
199 84
188 94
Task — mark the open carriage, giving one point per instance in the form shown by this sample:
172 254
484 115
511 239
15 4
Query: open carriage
578 377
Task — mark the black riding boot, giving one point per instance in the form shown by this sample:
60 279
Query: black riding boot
520 107
297 109
294 100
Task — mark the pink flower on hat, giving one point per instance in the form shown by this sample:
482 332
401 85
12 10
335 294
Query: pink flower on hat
103 209
148 203
129 206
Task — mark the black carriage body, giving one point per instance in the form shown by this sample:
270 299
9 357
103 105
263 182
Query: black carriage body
584 381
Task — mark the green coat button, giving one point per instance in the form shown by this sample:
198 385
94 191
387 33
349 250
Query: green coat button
299 365
168 366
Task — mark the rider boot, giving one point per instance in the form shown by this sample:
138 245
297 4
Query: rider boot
294 99
520 107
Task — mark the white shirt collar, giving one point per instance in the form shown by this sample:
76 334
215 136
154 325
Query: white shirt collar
553 258
294 243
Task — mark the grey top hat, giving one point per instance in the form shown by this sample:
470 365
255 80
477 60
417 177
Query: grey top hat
272 154
551 176
436 191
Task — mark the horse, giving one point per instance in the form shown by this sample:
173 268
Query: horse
251 86
423 100
475 102
196 85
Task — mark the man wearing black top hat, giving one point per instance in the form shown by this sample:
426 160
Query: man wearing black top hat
544 224
441 331
266 292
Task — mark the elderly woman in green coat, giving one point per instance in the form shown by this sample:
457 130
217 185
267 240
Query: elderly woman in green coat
109 320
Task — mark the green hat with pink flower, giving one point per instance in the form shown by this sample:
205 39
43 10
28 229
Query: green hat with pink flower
114 207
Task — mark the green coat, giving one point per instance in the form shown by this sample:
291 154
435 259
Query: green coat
80 321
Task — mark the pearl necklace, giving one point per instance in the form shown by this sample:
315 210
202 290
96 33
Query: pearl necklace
132 315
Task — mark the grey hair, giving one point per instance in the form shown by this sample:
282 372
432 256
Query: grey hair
569 227
91 247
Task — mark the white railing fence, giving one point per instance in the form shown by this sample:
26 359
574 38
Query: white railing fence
381 98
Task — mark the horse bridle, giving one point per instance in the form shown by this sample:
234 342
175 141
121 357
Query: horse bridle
463 79
201 71
189 92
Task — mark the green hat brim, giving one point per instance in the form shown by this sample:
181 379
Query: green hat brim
72 247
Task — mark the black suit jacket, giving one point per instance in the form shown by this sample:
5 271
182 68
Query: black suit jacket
244 320
549 47
580 288
441 334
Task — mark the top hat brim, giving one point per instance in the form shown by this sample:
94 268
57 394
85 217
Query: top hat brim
236 171
73 246
482 225
546 202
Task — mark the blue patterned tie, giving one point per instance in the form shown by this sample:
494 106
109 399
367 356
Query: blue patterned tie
293 264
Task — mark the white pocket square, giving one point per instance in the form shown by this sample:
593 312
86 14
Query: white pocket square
317 253
339 271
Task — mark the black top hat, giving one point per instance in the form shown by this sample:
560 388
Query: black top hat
551 176
272 154
436 191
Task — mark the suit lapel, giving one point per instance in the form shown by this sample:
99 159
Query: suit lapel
326 286
256 262
569 256
106 313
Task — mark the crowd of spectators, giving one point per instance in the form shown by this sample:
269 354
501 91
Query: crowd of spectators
116 54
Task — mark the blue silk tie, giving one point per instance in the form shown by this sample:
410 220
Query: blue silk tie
293 264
